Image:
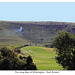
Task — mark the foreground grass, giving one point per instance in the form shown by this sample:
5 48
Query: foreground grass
43 58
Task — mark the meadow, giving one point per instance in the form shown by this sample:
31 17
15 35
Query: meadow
44 58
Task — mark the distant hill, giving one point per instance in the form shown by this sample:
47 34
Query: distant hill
34 32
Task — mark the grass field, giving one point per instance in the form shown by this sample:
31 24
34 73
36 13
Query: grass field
42 57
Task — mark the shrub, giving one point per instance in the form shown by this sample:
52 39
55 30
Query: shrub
9 60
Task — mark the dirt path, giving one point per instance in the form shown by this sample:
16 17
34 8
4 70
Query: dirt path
49 49
22 52
19 48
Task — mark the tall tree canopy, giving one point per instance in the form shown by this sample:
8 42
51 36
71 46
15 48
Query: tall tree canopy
65 49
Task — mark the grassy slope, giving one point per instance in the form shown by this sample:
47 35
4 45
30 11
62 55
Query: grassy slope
42 58
33 32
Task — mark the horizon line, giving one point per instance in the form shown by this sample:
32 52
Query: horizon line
35 21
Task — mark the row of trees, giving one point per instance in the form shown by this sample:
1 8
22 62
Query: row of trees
10 60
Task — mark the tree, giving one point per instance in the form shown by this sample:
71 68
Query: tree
30 64
65 49
10 60
29 60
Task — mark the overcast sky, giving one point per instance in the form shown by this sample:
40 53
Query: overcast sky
37 11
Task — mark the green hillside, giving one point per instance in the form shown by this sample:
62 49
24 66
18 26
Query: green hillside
42 32
44 58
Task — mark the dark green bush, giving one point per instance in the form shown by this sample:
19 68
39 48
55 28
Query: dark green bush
9 60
